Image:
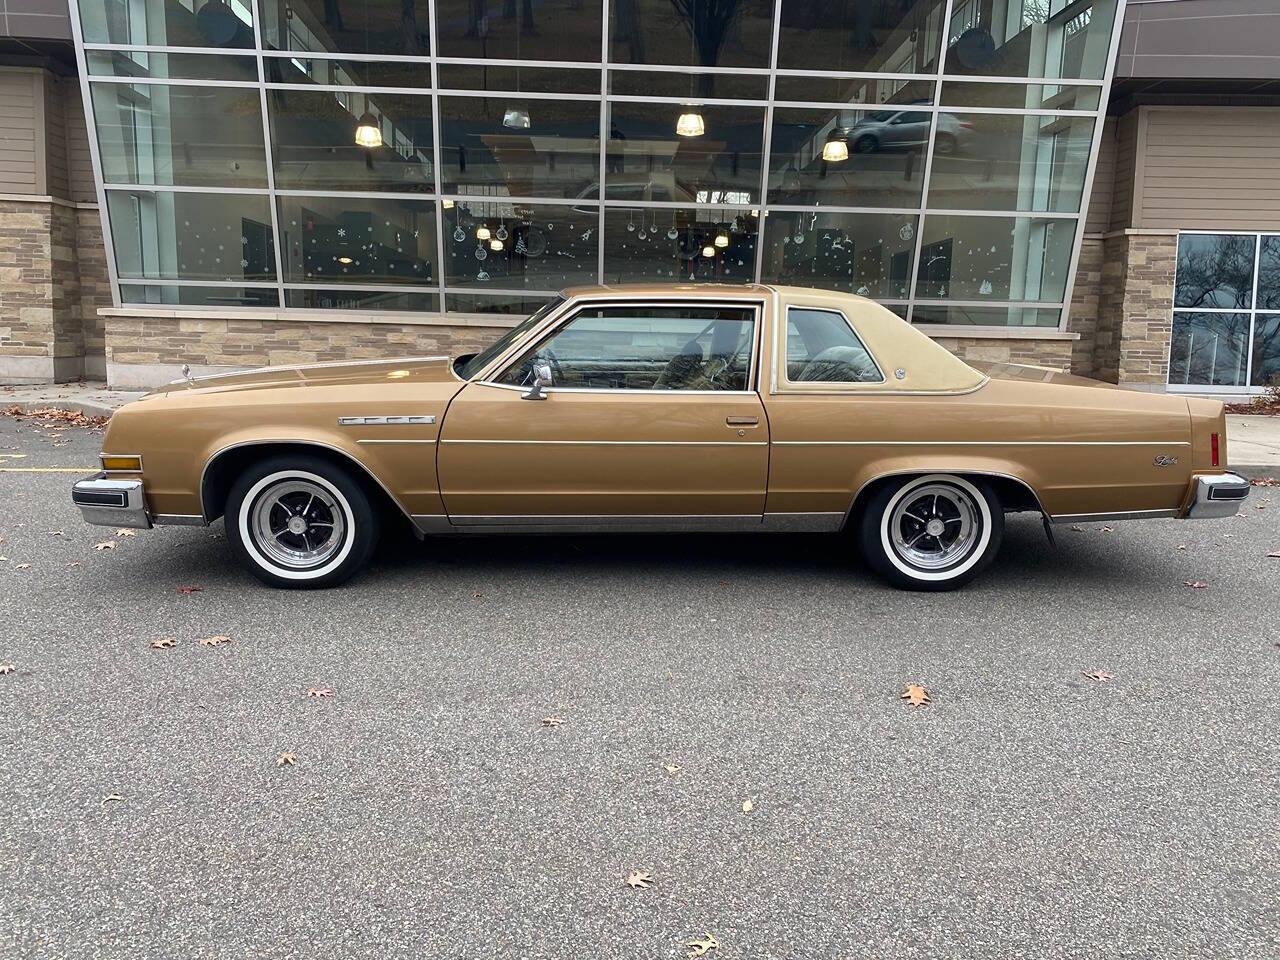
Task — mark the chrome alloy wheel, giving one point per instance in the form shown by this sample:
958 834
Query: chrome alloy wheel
297 524
935 526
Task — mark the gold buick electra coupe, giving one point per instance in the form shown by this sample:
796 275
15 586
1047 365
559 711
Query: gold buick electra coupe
673 409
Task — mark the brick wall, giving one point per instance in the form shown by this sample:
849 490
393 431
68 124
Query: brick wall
1135 308
144 351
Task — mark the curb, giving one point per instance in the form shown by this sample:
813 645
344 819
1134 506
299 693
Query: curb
1256 471
88 408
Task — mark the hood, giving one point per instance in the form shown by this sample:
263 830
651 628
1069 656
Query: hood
1024 372
408 369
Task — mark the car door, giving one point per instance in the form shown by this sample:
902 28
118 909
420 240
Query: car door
907 129
651 420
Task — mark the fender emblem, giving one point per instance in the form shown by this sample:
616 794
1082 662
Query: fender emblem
1166 461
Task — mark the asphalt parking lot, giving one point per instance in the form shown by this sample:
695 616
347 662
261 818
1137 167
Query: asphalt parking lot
1028 811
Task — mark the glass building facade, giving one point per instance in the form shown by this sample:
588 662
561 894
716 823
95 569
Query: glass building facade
476 156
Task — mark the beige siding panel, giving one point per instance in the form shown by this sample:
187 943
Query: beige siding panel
79 160
1123 177
19 154
55 136
1098 212
1209 168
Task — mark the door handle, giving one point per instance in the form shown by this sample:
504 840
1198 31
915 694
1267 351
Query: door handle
742 421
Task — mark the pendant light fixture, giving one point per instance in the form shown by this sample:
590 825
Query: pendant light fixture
495 244
482 233
690 123
722 240
708 251
368 133
835 150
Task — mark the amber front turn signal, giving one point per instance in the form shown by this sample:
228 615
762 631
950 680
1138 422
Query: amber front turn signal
122 463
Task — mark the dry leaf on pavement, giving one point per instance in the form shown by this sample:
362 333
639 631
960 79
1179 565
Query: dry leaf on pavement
112 798
214 641
164 643
194 588
915 695
126 533
105 545
319 692
55 533
7 668
639 880
1274 553
700 947
747 806
1108 529
1182 546
22 566
671 768
552 721
1195 584
286 760
1100 675
1077 528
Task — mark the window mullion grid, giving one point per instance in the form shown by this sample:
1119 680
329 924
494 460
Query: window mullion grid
277 241
437 150
1253 314
928 161
762 221
604 137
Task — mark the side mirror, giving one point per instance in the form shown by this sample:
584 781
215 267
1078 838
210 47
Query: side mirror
541 378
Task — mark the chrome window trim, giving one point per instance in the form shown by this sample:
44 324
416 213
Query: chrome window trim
755 304
780 361
981 443
619 443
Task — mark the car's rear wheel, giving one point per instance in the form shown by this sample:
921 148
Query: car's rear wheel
933 532
300 521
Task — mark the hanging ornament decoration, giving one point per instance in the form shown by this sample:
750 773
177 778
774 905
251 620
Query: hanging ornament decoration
501 233
631 221
907 231
459 234
481 253
520 247
482 276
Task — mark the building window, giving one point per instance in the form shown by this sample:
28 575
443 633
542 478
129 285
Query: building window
1226 312
476 156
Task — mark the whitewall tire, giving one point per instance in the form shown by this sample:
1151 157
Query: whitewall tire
932 532
300 521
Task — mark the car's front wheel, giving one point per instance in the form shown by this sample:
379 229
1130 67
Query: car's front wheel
933 532
300 521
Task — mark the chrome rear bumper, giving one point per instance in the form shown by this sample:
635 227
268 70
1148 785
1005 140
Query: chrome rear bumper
111 503
1216 495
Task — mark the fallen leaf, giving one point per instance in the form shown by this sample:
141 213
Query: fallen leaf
552 721
112 798
700 947
1108 530
319 692
1100 675
639 880
1265 482
1259 506
1195 584
164 643
55 533
478 596
214 641
1274 553
671 768
1182 546
1077 528
915 695
194 588
747 806
126 533
74 563
286 760
3 559
105 545
7 668
22 566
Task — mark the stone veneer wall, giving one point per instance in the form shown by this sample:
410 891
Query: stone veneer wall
1135 308
1082 316
146 351
53 280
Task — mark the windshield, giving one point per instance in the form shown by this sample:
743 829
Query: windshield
478 362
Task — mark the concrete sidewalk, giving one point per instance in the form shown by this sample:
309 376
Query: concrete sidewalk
1253 441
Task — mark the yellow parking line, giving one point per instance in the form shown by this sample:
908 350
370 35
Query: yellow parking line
46 470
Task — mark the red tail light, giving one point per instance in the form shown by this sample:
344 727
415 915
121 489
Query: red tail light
1213 447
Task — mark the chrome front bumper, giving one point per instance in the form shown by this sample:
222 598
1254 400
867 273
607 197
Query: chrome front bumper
111 503
1216 495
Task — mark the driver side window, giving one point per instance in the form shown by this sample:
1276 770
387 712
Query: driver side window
646 348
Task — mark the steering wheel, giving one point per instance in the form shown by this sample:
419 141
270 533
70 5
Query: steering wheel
557 374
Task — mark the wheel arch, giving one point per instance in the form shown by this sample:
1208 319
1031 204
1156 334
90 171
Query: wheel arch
223 465
1015 493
